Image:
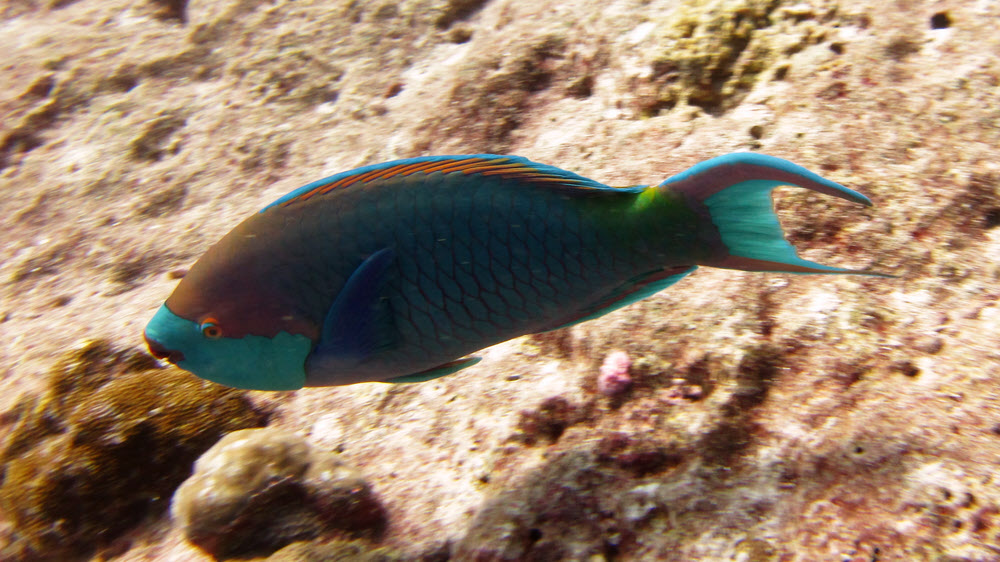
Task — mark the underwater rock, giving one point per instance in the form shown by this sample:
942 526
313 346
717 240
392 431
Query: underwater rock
258 490
547 422
111 438
335 551
639 455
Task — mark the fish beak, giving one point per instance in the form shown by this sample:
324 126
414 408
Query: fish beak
157 350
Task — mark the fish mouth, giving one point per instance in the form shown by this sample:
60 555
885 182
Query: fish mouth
157 350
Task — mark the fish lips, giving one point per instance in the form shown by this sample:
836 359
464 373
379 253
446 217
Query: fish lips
156 349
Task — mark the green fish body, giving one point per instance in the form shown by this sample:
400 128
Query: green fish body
397 272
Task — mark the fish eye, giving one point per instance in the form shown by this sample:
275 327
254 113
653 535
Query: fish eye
210 329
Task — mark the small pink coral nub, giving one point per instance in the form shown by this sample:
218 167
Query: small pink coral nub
614 378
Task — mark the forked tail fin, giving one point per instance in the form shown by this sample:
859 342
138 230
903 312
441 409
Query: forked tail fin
734 191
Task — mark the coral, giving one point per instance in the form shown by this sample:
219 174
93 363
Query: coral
258 490
110 439
614 377
714 57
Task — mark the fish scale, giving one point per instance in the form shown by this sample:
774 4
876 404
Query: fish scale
493 260
397 271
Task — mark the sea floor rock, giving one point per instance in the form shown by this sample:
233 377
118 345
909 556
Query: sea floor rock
335 551
258 490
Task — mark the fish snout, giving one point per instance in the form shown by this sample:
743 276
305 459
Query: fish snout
157 350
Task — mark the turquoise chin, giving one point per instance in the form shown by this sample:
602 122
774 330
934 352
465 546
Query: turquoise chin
250 362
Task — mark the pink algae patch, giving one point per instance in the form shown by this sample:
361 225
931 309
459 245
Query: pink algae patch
614 377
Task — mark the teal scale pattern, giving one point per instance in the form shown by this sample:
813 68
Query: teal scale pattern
478 259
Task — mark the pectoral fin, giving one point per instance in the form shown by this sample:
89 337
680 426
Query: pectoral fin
360 322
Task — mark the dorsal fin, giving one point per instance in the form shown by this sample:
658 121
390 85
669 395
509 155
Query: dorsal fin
509 167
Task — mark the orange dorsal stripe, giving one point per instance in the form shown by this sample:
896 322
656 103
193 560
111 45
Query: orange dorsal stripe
467 166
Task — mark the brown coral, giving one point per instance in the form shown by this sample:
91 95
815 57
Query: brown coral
105 446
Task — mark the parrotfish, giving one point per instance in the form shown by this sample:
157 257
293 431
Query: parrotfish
397 272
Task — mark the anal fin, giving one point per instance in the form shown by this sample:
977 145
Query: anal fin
439 371
634 290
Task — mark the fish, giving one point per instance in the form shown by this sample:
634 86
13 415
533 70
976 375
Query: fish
400 271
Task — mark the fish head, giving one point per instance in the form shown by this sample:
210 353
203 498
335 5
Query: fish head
250 362
228 321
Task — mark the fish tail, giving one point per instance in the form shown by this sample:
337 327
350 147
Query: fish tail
734 192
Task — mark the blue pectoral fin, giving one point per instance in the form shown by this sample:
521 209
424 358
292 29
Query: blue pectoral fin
439 371
359 323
